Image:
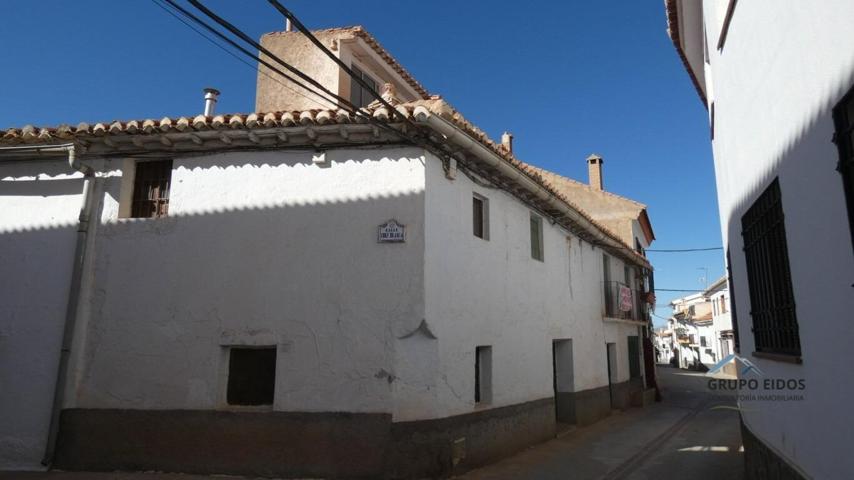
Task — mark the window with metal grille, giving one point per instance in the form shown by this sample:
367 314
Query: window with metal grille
733 314
151 189
537 237
251 376
772 302
480 217
843 117
359 96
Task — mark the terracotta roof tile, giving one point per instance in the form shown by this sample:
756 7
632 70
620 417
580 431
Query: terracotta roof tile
30 135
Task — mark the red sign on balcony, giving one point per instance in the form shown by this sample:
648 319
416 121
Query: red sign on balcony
625 298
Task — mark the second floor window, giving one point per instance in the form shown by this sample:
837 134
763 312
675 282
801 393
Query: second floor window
480 217
359 96
151 185
537 237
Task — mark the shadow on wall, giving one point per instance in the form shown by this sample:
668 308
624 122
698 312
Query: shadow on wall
821 261
170 295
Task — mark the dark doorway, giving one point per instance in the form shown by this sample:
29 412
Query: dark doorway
563 380
611 349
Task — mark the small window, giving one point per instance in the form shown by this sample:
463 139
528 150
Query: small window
480 217
151 189
703 341
769 281
483 374
251 376
359 96
537 237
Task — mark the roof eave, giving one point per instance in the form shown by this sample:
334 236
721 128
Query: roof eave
674 34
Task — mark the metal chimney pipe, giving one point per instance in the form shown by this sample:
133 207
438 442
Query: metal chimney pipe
211 95
288 26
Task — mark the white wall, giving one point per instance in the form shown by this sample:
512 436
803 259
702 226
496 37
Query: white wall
258 249
481 292
270 249
39 205
785 64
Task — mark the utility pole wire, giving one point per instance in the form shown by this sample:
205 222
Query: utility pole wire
676 250
246 38
302 28
236 57
354 112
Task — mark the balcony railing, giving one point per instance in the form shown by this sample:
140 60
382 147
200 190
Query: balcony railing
622 302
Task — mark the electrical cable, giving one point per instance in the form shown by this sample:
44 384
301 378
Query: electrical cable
237 57
246 38
305 31
679 250
354 112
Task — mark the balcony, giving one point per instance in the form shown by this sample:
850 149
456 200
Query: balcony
623 303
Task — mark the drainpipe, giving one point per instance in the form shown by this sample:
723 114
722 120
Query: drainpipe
73 301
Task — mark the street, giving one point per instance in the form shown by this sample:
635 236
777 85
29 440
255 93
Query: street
680 437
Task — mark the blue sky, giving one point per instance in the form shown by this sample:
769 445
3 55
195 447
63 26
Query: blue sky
567 78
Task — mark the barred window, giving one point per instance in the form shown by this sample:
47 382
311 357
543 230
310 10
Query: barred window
734 314
151 189
843 116
772 301
359 96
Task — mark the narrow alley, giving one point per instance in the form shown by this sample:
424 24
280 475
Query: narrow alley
683 435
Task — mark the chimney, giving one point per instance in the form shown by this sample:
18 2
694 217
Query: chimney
211 95
594 170
507 141
288 26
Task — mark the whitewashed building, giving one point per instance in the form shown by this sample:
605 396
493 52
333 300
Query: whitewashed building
300 292
776 78
723 341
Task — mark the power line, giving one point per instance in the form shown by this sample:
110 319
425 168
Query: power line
676 290
238 58
246 38
358 78
344 104
246 52
679 250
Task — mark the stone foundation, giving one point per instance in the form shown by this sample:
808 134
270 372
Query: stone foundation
762 463
585 407
283 444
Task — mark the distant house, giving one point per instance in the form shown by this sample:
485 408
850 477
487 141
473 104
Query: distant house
777 82
724 340
304 291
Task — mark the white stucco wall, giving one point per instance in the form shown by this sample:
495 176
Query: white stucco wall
258 249
271 249
39 205
783 67
491 292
